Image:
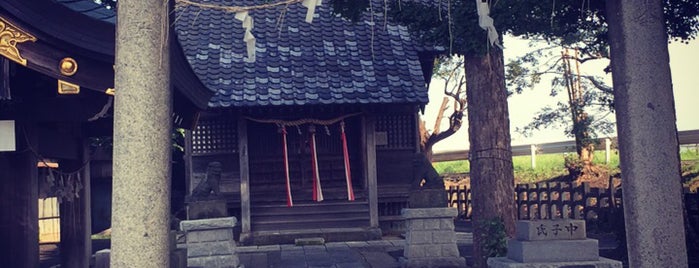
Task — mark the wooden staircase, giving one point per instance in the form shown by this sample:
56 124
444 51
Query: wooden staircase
326 214
333 219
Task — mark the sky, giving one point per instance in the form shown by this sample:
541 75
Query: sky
522 107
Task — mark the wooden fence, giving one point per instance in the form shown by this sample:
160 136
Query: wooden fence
599 207
552 200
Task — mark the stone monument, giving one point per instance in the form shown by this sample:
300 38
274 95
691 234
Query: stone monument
206 200
552 244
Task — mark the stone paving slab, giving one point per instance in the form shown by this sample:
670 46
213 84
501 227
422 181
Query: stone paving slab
353 254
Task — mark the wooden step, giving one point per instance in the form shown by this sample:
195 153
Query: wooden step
352 222
302 195
327 205
271 237
285 211
326 214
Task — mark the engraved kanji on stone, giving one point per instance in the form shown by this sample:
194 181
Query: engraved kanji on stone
571 228
541 230
556 228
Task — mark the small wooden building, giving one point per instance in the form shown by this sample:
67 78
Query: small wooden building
281 117
56 75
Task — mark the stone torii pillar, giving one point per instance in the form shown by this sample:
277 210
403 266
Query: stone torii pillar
648 145
142 129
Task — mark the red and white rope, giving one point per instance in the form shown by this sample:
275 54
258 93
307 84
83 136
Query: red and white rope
289 199
345 152
317 189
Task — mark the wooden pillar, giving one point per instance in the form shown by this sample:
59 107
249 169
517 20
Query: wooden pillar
76 228
244 178
5 78
142 136
648 143
188 161
369 143
19 210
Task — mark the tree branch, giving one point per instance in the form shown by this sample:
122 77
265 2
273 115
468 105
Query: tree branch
599 84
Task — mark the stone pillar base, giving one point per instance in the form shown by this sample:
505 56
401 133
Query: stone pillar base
210 242
503 262
430 239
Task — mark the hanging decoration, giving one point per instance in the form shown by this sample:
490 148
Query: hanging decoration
311 5
317 189
486 22
242 14
345 154
289 199
249 39
302 121
64 186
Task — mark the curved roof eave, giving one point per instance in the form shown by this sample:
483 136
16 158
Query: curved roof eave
72 30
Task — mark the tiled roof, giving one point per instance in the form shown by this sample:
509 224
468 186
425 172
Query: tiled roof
91 9
330 61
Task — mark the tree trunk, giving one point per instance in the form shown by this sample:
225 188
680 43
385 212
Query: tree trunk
492 177
142 129
648 145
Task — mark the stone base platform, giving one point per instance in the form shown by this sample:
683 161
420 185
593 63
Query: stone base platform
504 262
278 237
449 262
553 251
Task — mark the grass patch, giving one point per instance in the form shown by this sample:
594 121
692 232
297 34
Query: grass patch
552 165
101 236
457 166
106 234
543 162
689 153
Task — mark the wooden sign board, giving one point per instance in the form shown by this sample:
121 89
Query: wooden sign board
7 136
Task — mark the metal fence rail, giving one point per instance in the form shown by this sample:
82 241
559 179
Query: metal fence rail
685 137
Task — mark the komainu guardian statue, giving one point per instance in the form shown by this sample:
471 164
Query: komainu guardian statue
210 184
427 187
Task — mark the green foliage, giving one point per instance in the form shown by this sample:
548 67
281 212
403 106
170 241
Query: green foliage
596 99
547 166
494 238
689 153
682 19
690 165
350 9
177 138
454 24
